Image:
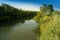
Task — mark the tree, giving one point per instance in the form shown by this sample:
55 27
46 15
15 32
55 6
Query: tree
48 23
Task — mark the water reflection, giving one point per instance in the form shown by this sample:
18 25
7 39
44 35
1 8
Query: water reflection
37 32
10 23
18 30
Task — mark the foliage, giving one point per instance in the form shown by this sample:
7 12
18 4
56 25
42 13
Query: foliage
48 21
8 12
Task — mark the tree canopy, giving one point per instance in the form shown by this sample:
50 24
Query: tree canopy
8 12
48 21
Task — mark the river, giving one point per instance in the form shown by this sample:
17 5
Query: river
18 31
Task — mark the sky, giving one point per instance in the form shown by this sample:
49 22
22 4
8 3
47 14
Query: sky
32 5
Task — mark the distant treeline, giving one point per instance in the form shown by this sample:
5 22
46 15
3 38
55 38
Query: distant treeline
8 12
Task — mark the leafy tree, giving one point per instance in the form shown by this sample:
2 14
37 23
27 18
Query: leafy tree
8 12
48 22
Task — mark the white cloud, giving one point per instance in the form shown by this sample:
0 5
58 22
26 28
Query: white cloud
27 7
23 6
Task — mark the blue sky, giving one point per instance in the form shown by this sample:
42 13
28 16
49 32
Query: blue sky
31 4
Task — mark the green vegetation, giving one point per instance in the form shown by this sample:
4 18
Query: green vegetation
8 13
48 21
47 18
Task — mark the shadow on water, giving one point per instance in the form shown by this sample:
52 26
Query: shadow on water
7 30
37 32
11 22
6 26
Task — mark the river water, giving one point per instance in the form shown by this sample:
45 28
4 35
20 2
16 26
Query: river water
18 31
